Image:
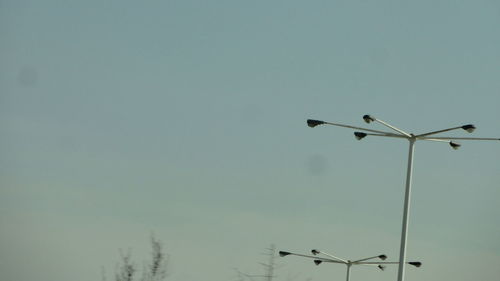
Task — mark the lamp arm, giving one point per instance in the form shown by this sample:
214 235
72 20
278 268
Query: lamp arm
357 128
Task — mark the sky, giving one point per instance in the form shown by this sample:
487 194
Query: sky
186 120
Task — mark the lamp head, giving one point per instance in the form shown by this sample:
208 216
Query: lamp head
382 257
359 135
368 118
314 251
283 253
381 267
454 145
469 128
317 262
415 263
313 123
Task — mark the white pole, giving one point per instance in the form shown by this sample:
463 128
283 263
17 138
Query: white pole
348 270
404 231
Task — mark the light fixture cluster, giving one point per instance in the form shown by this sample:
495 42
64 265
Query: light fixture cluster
364 132
320 257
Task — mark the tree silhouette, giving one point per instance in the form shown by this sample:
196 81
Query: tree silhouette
153 270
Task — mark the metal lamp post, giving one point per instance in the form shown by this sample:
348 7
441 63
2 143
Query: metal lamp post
333 259
412 139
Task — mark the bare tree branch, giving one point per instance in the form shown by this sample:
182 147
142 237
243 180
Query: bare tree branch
154 270
126 269
157 269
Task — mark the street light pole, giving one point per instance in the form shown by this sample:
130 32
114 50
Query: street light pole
348 271
412 139
406 211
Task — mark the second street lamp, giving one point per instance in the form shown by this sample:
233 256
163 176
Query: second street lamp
412 139
333 259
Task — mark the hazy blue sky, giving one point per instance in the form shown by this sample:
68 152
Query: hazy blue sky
187 119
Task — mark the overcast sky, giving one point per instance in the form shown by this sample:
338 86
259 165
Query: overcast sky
187 119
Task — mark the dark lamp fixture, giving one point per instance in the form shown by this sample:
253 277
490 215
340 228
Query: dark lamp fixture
368 118
313 123
415 263
359 135
282 253
454 145
469 128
